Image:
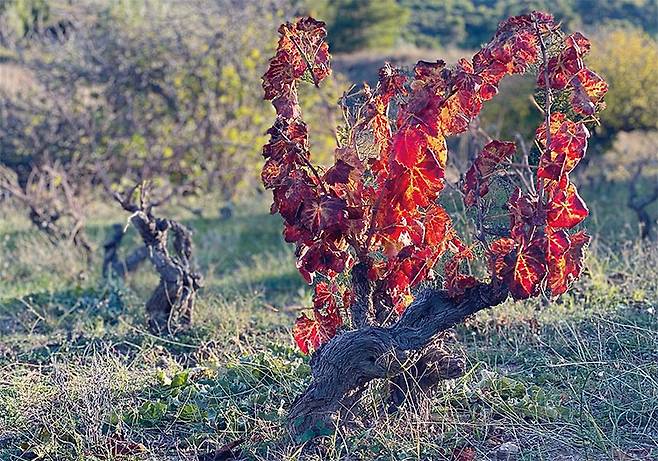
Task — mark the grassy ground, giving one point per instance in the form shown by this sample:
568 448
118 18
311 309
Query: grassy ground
81 379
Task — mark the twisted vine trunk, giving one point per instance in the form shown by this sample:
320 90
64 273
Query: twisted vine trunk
171 304
348 362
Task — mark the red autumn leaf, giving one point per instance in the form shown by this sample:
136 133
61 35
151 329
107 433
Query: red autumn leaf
437 225
288 142
455 281
391 82
280 76
579 41
568 267
418 162
529 270
500 257
567 146
339 173
324 296
275 172
566 208
324 213
418 184
288 198
409 146
525 213
324 257
453 115
293 233
513 48
311 333
557 243
430 73
561 68
415 262
588 91
301 48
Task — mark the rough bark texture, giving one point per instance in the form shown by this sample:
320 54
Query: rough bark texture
362 308
171 305
441 359
350 360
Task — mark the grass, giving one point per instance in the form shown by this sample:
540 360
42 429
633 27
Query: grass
81 379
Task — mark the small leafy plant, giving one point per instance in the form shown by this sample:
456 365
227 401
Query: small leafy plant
370 230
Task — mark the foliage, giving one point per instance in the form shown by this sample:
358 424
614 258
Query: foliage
362 24
141 101
469 23
21 18
375 211
628 59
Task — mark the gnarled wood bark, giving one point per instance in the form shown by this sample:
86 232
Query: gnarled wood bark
441 359
171 305
351 360
362 308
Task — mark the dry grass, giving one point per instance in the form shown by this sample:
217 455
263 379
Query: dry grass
573 379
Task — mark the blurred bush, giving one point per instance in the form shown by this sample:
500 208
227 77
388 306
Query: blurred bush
630 150
163 90
469 23
628 59
361 24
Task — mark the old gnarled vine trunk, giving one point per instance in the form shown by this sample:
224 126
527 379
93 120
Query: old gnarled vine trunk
350 360
171 304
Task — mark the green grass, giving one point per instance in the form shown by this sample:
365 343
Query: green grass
81 379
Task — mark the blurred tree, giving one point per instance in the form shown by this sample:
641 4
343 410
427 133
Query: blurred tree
633 159
628 59
436 22
168 93
22 17
361 24
642 14
469 23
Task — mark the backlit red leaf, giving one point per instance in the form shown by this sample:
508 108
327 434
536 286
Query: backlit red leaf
479 174
311 333
561 68
588 91
456 282
500 257
568 267
566 148
529 270
566 208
